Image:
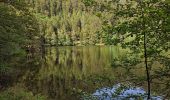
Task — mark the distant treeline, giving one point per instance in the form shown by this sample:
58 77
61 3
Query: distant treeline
73 22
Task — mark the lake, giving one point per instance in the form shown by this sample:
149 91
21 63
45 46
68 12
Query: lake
87 73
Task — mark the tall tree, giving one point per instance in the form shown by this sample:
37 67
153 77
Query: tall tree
143 26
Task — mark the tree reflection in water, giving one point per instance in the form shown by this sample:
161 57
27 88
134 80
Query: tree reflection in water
66 72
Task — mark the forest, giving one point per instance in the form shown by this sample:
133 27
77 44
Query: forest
84 49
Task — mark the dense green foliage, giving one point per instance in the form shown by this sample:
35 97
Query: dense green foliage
19 31
72 22
142 27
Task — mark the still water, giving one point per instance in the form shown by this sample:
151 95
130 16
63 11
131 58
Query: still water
74 73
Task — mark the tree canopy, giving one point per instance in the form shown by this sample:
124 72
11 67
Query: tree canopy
19 29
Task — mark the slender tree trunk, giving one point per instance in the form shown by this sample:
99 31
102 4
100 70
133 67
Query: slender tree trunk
145 53
146 65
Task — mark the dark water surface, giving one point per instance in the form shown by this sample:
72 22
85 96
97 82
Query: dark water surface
74 73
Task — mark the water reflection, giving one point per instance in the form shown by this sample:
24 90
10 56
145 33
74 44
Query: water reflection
66 70
63 73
